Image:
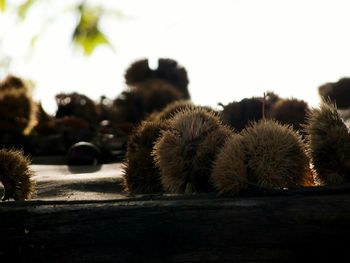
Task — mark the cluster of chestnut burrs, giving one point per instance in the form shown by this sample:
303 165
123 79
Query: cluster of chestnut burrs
187 149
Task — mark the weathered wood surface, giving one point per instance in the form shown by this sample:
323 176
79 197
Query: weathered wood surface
200 228
81 215
62 182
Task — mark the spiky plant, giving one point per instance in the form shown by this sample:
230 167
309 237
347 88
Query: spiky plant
168 71
138 72
77 105
136 104
290 111
177 106
141 176
239 114
186 151
12 82
17 111
275 155
309 178
128 107
328 141
338 92
45 123
229 174
15 175
271 98
158 94
171 109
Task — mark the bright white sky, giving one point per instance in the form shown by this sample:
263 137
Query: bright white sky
231 49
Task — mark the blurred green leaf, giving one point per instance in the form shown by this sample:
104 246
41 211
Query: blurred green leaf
90 43
23 8
34 40
2 5
87 33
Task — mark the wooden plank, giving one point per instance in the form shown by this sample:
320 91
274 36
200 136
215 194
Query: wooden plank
201 228
80 214
62 182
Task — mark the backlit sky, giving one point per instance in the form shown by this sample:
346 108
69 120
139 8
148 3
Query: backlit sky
231 49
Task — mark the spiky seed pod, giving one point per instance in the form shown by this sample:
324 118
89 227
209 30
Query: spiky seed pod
77 105
136 104
290 111
141 176
137 72
128 107
271 98
328 142
17 111
170 71
338 92
239 114
186 151
275 155
177 106
45 123
171 109
229 174
309 178
15 175
158 94
12 82
17 107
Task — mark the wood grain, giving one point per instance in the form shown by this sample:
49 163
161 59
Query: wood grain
202 228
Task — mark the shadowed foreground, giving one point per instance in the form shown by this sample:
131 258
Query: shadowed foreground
283 227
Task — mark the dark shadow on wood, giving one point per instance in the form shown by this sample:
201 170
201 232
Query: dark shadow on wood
49 160
79 169
63 188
